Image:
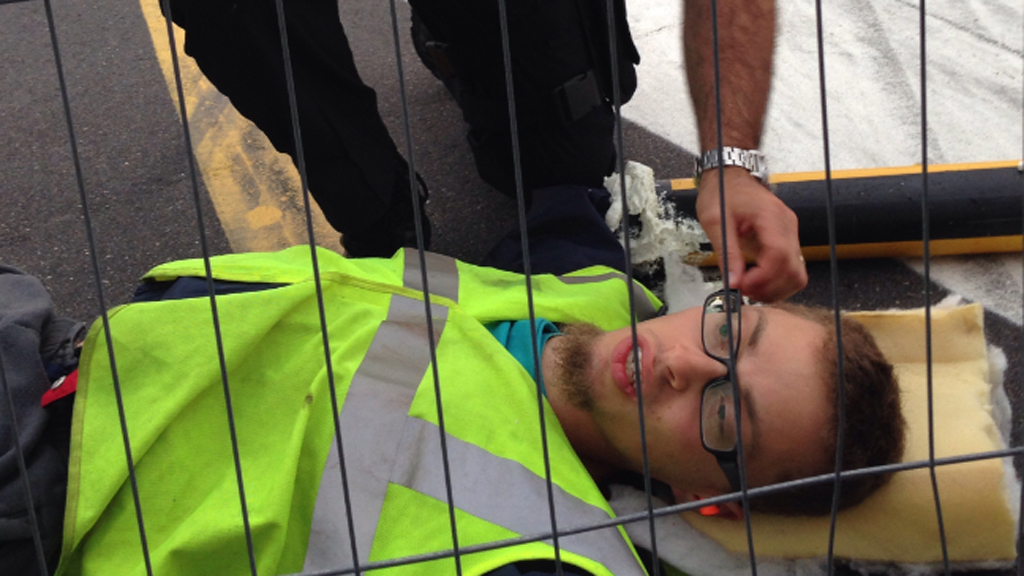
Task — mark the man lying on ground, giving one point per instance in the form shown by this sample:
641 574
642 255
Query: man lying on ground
304 511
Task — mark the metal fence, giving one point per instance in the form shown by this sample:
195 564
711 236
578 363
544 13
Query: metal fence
557 529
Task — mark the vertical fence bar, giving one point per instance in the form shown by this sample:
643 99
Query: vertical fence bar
524 239
218 337
834 273
925 231
1020 170
725 280
300 163
637 372
414 193
94 261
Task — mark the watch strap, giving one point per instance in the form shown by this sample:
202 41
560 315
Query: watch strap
751 160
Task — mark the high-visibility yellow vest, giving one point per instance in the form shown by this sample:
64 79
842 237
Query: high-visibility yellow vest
381 381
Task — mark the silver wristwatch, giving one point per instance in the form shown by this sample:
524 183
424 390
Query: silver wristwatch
751 160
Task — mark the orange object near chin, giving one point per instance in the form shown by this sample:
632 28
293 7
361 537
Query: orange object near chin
711 510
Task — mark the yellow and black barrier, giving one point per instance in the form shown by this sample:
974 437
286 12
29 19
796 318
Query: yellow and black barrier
972 209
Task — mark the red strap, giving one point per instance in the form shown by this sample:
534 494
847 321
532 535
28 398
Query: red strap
61 387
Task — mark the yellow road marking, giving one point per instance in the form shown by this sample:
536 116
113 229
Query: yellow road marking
255 190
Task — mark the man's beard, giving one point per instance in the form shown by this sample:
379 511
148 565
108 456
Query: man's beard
574 353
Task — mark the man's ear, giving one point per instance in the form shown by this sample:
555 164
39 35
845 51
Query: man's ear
726 510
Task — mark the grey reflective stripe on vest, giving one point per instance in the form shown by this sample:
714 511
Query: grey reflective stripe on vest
519 505
384 445
372 420
644 309
442 274
374 415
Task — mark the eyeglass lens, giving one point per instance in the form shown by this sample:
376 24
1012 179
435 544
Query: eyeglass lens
716 328
718 424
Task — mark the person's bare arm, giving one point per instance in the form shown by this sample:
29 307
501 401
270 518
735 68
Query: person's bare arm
757 222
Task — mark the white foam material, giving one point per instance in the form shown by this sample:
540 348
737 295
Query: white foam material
1002 413
663 235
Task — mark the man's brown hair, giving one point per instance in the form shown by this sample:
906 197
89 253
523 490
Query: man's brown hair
874 427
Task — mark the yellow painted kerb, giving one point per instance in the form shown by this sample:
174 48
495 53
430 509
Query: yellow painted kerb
255 190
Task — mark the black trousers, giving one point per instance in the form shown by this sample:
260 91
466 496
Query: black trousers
354 169
353 166
567 232
561 77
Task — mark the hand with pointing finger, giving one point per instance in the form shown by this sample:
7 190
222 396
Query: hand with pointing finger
759 227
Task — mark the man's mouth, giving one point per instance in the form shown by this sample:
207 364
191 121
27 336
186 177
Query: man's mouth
624 369
631 367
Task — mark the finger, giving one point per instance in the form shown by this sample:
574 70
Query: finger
733 255
776 277
779 271
712 225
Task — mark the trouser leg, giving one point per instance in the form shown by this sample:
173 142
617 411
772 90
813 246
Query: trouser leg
549 47
354 169
567 233
550 156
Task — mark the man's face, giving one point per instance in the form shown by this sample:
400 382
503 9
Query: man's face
783 396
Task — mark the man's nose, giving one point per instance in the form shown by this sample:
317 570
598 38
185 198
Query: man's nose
688 367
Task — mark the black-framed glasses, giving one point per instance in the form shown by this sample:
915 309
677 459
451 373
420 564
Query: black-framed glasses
717 417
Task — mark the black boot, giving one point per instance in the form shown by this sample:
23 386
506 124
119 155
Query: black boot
395 229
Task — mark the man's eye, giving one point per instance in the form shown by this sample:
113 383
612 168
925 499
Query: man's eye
721 412
723 331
